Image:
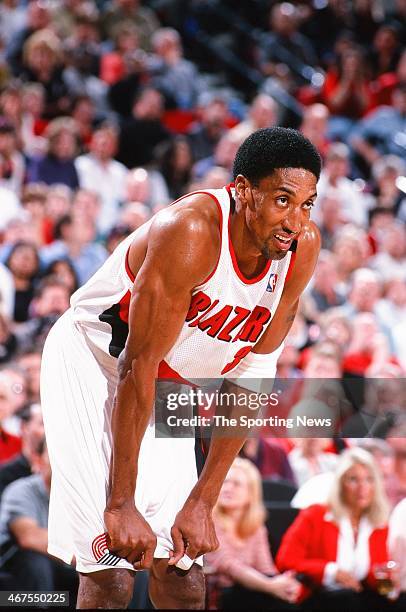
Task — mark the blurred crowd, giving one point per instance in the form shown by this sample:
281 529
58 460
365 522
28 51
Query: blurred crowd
110 110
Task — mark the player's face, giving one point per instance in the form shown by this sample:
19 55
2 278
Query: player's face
278 208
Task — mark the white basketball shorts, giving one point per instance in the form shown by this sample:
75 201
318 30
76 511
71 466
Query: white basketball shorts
77 389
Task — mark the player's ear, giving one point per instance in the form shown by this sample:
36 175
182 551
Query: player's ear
243 190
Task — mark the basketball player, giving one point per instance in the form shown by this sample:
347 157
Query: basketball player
207 288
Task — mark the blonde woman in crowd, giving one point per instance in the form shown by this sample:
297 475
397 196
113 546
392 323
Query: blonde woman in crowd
339 547
244 570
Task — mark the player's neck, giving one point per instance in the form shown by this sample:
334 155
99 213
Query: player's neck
250 260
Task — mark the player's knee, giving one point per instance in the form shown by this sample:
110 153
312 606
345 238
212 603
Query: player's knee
176 589
109 589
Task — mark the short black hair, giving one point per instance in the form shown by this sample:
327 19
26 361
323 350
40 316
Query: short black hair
271 148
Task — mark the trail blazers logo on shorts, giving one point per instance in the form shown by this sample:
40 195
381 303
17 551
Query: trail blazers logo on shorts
101 553
273 279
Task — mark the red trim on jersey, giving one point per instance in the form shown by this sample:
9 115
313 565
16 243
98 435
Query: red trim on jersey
127 266
292 261
221 234
165 371
247 281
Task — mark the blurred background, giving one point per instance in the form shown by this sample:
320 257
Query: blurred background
110 110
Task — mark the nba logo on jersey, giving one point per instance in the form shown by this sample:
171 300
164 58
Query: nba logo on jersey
273 279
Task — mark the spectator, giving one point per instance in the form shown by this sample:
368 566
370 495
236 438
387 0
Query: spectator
75 240
262 113
176 78
10 445
144 127
24 264
12 162
351 249
380 405
32 435
386 172
12 20
148 187
382 131
87 203
82 63
368 346
332 216
270 459
347 93
126 56
30 363
65 272
37 18
287 363
84 39
8 340
397 440
33 200
206 132
23 532
43 64
58 204
337 545
335 327
17 381
84 114
315 125
308 458
334 176
284 44
245 573
325 291
98 170
57 166
133 215
32 122
384 458
10 208
397 544
131 12
364 294
391 310
223 156
390 261
386 50
50 301
7 291
174 162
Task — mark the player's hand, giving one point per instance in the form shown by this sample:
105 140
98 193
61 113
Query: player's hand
193 532
348 581
130 536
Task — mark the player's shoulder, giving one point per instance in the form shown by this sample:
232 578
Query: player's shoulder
309 241
196 218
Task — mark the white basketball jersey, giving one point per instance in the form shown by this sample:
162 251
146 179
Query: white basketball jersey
227 315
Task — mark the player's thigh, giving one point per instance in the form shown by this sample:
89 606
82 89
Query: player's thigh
172 588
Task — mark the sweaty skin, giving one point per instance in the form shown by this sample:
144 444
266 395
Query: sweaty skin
176 251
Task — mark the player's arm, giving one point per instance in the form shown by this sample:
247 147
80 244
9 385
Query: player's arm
224 449
181 253
307 252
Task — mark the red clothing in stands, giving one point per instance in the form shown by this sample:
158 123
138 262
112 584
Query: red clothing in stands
10 446
311 542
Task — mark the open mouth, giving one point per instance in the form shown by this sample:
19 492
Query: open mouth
283 242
